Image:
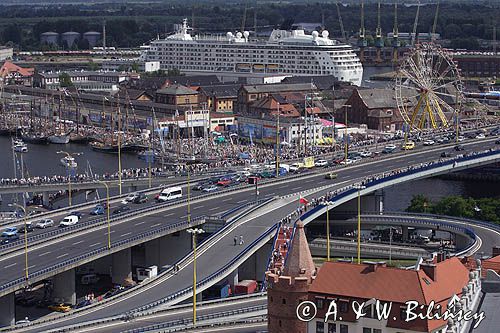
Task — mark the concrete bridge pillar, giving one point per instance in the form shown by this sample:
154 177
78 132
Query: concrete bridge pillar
7 310
404 229
379 201
63 285
461 242
121 266
167 250
255 267
45 199
152 252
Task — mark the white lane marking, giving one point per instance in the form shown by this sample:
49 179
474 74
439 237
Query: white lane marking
94 244
198 207
169 214
139 223
242 201
75 243
30 267
62 255
296 188
215 208
14 264
228 199
284 186
43 254
128 233
155 225
106 233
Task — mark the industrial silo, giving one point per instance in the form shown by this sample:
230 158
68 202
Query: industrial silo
92 37
69 38
49 37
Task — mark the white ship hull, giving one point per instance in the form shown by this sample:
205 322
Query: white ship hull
59 139
287 53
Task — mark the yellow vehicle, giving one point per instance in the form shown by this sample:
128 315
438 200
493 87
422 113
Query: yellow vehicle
61 307
409 145
330 175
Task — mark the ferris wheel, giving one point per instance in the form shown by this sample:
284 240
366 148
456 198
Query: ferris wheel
428 88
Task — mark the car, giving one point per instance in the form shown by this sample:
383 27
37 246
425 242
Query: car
347 162
497 142
459 147
28 227
224 181
121 209
23 321
9 239
389 149
296 167
480 136
460 138
210 188
77 214
130 198
8 232
321 163
445 154
98 210
429 142
366 154
356 159
142 198
69 220
61 307
45 223
200 186
409 145
267 174
331 175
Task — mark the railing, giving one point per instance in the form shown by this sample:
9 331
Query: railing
216 275
199 319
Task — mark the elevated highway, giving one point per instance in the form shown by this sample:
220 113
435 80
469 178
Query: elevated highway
259 227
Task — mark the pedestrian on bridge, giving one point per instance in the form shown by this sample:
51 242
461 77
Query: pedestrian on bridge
235 240
241 240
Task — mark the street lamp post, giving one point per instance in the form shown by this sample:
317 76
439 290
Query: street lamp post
359 187
194 232
69 167
26 275
107 211
346 135
328 205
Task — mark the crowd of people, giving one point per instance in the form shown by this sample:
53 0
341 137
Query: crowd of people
285 229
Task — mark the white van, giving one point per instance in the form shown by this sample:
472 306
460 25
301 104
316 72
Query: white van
69 220
170 194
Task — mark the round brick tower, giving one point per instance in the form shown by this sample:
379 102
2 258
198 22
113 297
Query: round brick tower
286 291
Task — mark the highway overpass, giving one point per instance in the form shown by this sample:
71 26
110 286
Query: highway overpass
258 227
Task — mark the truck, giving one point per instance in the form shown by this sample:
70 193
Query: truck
245 287
219 290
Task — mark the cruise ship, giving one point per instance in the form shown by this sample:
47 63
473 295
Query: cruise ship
287 53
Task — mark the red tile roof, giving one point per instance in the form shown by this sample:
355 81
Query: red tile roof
8 68
393 284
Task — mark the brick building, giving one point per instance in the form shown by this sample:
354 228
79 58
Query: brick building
446 281
178 95
377 108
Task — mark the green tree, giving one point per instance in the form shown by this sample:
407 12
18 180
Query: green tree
65 80
419 204
455 206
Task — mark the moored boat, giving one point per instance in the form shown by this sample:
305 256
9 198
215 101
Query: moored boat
20 146
69 162
34 138
59 138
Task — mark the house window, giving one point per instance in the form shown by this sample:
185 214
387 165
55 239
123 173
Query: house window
332 328
377 330
367 330
319 303
344 328
343 306
283 300
320 327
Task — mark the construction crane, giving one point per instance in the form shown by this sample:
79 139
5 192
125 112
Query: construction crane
344 37
433 33
244 20
396 43
362 40
379 41
414 35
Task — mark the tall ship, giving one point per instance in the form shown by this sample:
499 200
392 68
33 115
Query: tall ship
286 52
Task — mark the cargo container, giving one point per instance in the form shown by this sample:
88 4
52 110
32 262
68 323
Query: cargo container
245 287
220 290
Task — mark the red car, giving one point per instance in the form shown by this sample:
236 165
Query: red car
224 182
